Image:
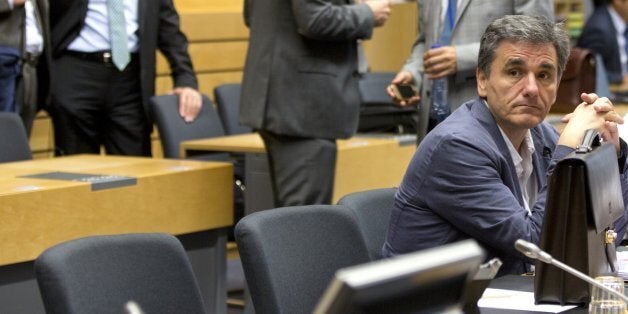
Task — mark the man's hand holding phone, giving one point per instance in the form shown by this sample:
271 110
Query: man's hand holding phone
402 91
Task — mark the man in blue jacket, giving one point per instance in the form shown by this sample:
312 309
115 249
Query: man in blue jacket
482 173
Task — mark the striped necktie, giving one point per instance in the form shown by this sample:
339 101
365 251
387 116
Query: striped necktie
117 32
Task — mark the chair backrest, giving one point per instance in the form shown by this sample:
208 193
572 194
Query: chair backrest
602 88
372 212
377 111
290 254
227 98
14 144
100 274
173 129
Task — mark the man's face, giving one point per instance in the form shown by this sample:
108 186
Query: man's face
522 84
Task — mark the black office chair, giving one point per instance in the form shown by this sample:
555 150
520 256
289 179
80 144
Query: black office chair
173 129
14 144
290 254
377 111
227 98
101 274
371 209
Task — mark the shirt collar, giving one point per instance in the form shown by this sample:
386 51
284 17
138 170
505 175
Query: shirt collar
527 148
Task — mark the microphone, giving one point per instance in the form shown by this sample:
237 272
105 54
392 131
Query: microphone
532 251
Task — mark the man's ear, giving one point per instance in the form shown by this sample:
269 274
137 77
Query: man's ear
481 78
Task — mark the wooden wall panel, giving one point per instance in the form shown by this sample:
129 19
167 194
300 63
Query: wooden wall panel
211 25
390 44
206 81
223 56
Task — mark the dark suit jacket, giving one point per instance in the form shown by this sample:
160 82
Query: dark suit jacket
599 34
300 77
158 29
462 183
12 35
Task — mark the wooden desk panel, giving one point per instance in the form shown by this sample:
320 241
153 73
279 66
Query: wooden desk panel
367 163
363 163
171 196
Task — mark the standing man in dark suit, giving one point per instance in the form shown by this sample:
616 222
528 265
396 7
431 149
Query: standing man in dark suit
100 99
605 34
300 87
24 57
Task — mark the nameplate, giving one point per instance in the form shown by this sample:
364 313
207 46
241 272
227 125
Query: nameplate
97 181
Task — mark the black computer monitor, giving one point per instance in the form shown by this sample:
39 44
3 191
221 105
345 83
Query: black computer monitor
428 281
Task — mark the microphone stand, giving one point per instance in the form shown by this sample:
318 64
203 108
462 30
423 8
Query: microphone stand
532 251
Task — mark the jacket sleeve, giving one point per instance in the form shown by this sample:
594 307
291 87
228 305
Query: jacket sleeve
323 20
174 45
414 63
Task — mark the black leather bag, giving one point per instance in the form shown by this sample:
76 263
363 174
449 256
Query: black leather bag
583 201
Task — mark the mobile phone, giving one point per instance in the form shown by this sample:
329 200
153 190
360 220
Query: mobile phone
404 91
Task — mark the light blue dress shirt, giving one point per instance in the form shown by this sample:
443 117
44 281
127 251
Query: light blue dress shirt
95 34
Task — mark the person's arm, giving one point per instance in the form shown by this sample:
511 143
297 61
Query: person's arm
318 19
173 44
412 70
414 63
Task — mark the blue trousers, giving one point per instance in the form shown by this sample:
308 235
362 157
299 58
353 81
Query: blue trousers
9 72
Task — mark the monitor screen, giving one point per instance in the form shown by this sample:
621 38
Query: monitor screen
428 281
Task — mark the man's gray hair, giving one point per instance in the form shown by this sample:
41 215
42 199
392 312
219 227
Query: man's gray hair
523 28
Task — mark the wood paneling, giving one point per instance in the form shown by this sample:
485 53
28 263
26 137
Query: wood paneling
213 25
390 44
211 57
206 81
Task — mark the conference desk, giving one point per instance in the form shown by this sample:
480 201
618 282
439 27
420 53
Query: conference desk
521 283
48 201
364 162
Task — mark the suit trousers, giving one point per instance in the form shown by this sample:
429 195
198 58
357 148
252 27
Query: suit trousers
301 169
94 104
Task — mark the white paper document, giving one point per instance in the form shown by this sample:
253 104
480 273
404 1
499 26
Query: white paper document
622 260
517 300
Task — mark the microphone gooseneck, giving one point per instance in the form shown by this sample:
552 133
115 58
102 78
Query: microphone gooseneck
532 251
